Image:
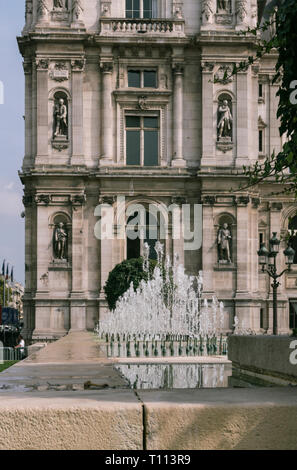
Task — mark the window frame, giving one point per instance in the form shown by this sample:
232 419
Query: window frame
141 70
291 301
142 128
141 10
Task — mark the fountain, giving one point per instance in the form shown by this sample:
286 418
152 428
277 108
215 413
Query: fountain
165 317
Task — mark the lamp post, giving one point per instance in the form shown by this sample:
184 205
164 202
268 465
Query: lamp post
269 257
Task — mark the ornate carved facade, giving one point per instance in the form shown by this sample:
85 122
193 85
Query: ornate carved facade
141 104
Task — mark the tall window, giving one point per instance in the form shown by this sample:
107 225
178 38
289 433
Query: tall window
150 235
293 240
141 8
293 313
142 140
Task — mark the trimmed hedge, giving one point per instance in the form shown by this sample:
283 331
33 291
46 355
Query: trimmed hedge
122 275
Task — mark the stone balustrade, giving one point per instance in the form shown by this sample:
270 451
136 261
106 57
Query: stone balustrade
114 26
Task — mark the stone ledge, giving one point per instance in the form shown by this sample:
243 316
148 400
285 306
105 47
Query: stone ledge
71 421
221 419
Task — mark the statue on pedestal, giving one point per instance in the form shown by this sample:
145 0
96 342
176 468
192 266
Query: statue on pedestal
224 244
224 120
60 242
60 119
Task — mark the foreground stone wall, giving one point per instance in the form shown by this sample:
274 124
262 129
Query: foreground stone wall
218 419
268 355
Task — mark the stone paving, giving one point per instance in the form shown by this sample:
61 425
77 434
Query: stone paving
75 362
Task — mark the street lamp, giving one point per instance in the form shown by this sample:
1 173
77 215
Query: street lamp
269 258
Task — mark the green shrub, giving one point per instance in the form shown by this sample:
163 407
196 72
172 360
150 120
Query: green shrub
122 275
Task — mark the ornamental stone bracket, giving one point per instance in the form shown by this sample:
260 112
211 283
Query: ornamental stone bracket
42 199
56 199
276 206
59 72
209 200
178 200
60 143
225 144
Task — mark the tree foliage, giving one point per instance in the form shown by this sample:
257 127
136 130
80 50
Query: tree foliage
122 275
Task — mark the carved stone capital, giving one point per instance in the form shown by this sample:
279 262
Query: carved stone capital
106 67
28 200
242 200
42 64
178 200
27 66
178 68
276 206
78 65
110 200
78 199
207 67
256 202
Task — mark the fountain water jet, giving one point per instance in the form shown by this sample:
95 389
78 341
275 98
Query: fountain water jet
166 315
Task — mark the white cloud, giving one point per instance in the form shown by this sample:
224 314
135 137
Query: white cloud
10 203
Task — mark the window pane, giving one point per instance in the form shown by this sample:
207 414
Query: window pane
150 122
132 121
133 147
134 78
293 315
129 14
133 248
129 4
150 78
151 148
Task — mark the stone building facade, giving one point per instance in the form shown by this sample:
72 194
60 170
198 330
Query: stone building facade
134 98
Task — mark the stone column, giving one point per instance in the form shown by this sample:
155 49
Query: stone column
209 251
28 113
107 114
77 112
178 159
79 273
42 111
207 115
243 119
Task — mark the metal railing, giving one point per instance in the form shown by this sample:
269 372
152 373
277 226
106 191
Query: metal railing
12 354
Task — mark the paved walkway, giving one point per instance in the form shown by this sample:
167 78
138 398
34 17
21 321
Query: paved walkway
75 362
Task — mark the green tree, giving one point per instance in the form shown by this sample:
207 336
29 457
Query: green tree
122 275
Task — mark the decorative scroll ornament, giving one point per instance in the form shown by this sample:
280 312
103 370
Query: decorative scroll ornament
142 104
77 11
207 10
42 9
241 10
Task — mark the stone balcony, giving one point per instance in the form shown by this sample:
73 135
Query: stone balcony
150 27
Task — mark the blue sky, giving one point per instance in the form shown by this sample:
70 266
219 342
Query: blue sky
11 136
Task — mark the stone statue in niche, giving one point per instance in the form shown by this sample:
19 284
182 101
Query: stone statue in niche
224 244
224 6
61 4
225 120
60 242
60 119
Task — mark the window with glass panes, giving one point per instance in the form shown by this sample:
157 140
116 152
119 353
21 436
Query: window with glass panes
142 78
141 8
293 313
142 140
